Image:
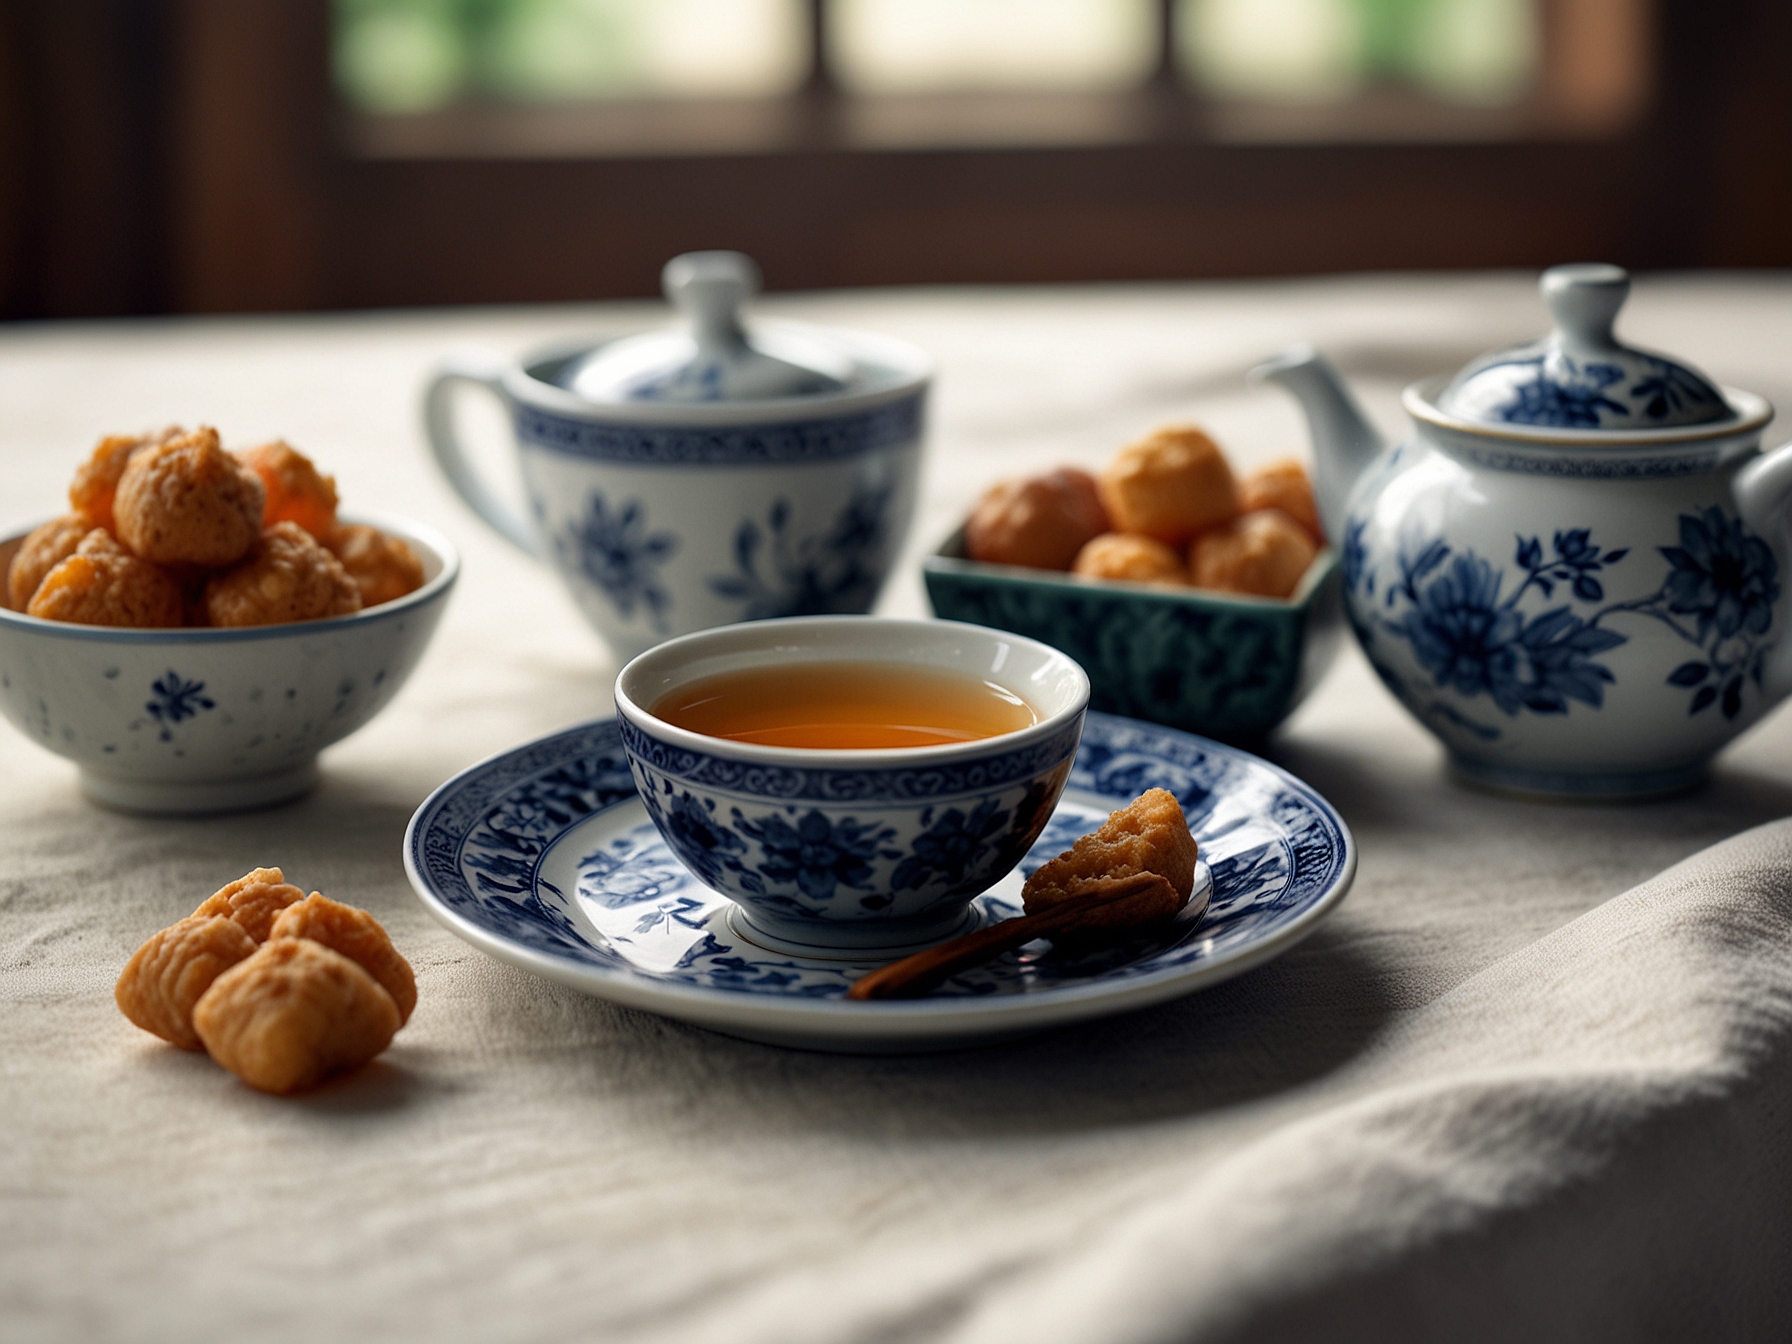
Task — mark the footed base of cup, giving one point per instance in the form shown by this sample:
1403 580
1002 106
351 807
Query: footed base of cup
1572 786
864 941
167 798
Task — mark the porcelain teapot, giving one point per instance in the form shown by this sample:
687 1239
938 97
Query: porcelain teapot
1573 571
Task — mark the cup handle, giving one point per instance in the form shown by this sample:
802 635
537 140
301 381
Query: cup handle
481 368
1763 493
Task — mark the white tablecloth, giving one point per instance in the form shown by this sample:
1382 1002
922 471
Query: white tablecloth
1505 1092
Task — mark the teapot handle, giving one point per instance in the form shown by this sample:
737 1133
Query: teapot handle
480 368
1763 494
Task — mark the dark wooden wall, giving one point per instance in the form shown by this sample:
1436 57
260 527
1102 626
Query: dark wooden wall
187 156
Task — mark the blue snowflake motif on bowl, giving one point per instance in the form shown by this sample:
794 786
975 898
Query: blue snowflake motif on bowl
174 699
619 555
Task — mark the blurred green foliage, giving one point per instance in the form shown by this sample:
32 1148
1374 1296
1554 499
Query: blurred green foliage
412 55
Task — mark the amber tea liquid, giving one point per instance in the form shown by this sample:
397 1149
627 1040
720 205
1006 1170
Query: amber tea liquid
845 705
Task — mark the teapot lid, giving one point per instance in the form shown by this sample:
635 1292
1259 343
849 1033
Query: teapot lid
1580 376
716 358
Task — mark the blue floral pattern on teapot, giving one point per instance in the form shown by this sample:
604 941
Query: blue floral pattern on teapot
1575 598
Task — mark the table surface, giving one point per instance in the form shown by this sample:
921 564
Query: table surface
528 1163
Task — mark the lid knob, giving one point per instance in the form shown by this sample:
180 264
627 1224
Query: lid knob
1583 300
710 288
715 358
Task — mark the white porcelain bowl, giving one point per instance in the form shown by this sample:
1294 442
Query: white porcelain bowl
201 720
868 851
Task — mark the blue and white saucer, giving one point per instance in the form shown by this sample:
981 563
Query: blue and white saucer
543 856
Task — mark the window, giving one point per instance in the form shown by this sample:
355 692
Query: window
915 73
215 155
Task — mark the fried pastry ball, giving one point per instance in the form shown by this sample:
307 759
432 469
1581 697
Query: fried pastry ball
96 479
296 491
40 552
287 577
187 501
171 972
292 1015
1170 485
1149 835
382 566
1041 522
1265 553
104 584
1121 555
359 937
253 901
1282 485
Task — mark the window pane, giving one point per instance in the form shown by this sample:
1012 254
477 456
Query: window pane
926 46
1467 51
407 55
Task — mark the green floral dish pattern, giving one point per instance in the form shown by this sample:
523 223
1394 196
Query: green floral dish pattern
1220 665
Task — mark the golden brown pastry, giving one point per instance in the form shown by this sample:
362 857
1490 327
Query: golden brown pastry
1149 835
96 479
187 501
294 1014
359 937
1170 485
40 552
1282 485
253 901
1264 553
1041 522
296 491
287 577
104 584
1122 555
383 566
171 972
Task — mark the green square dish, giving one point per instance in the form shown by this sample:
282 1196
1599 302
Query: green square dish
1219 664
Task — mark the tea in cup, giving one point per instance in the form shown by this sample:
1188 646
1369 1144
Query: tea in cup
851 783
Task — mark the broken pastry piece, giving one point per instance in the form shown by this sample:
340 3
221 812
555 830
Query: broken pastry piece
1149 835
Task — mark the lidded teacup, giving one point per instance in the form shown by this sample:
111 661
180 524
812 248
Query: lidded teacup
724 471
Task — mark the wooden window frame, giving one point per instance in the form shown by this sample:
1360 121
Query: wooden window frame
235 181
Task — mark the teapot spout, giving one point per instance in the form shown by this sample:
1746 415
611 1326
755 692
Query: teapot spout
1344 442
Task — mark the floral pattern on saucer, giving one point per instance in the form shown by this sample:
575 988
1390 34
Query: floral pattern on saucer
484 850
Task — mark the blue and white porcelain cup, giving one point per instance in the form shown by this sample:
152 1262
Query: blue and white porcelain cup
682 480
857 852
